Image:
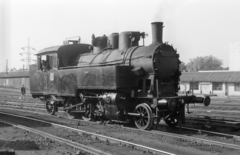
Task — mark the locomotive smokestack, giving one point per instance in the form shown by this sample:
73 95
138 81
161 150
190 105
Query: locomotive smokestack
157 28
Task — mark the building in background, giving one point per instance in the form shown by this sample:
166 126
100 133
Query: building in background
14 79
221 83
234 56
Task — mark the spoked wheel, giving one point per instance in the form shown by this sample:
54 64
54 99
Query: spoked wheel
145 119
51 108
172 122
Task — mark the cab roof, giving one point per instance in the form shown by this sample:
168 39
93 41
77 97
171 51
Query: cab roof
57 49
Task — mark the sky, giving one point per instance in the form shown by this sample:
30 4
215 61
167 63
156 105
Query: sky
194 27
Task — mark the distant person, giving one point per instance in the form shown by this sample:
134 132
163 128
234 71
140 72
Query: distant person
44 65
23 92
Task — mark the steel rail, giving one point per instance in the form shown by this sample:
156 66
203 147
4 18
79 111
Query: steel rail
59 139
19 107
95 135
213 110
235 137
199 140
23 103
22 110
22 107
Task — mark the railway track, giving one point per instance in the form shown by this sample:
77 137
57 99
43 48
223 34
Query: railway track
172 135
41 108
85 149
194 140
233 137
77 145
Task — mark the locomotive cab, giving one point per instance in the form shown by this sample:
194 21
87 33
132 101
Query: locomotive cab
44 77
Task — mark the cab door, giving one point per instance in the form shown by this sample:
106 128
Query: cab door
38 77
52 74
44 70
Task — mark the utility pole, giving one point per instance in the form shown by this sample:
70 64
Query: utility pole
28 53
7 66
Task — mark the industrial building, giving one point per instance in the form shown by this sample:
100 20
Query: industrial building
221 83
14 79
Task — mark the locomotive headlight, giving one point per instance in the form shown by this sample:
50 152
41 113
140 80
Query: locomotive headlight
172 103
162 103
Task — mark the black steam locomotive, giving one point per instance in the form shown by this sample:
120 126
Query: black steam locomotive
113 79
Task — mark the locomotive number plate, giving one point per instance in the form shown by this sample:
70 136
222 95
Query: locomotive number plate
51 76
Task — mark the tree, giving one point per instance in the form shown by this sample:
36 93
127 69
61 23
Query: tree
182 66
204 63
12 69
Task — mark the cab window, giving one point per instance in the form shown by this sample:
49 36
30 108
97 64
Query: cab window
44 62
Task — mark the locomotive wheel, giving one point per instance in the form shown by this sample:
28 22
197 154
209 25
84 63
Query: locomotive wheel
51 108
172 122
145 120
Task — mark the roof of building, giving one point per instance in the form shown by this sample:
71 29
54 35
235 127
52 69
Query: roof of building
230 76
14 74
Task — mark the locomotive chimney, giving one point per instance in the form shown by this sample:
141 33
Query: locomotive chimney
157 28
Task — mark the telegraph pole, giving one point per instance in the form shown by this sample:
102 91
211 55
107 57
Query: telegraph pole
7 66
28 53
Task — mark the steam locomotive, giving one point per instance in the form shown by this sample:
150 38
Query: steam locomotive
113 79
